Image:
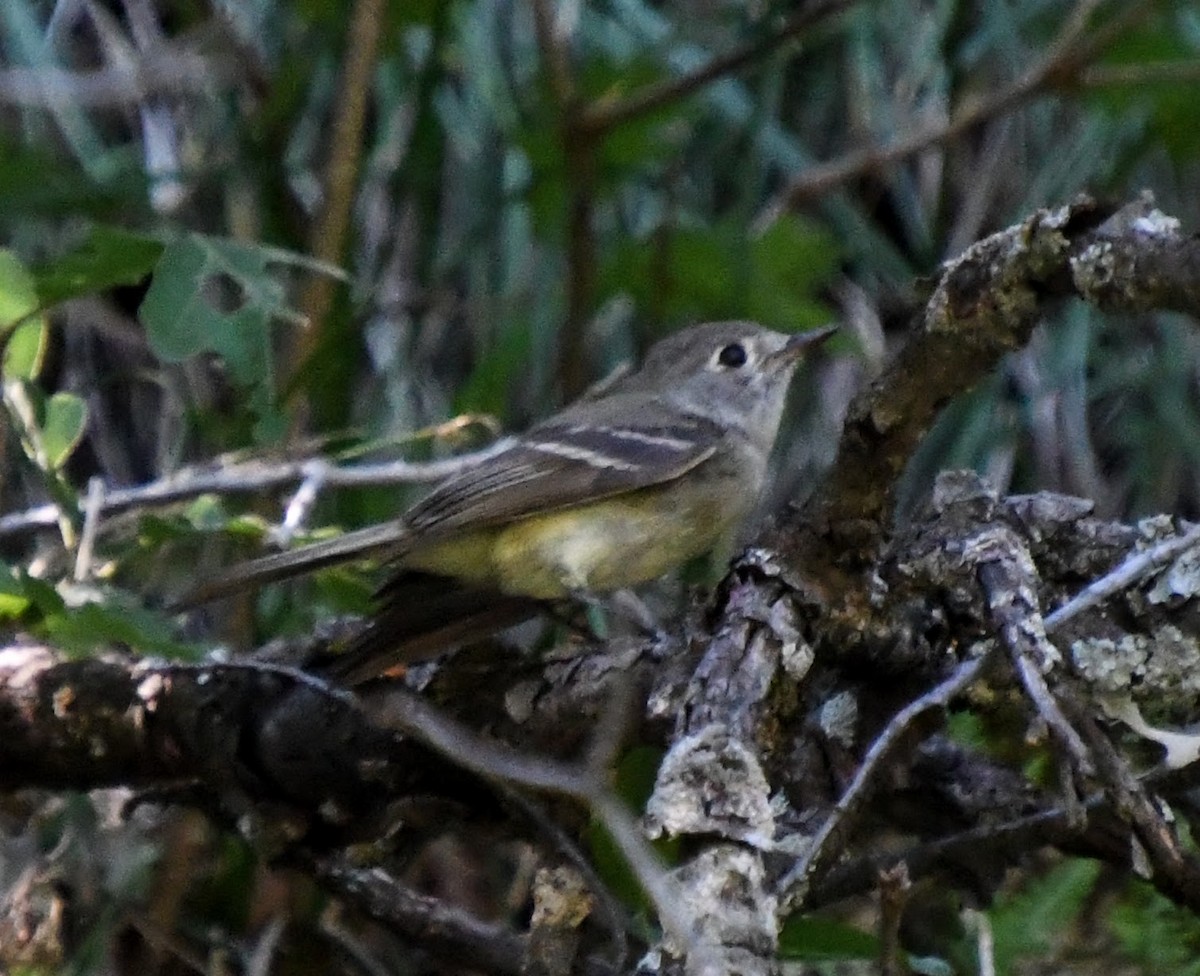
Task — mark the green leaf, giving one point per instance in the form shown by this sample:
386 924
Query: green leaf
107 257
18 293
209 294
83 629
25 350
63 421
14 602
804 937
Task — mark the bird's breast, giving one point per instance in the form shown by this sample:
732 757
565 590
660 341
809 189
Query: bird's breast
598 547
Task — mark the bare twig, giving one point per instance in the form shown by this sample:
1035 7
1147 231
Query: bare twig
601 116
91 524
1175 869
1059 68
305 497
165 72
792 887
1130 572
401 710
262 957
1009 581
895 887
985 944
253 476
447 931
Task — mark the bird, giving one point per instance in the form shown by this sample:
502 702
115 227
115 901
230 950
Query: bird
616 489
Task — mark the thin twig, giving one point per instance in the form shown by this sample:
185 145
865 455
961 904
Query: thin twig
401 710
91 525
601 117
985 944
615 916
1174 868
1060 68
166 72
262 957
1049 825
895 888
254 476
300 505
1131 571
1009 581
443 929
792 887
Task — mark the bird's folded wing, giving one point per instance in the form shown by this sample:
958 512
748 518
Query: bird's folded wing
560 465
554 466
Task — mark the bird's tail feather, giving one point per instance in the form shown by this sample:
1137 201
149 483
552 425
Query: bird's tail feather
282 565
421 615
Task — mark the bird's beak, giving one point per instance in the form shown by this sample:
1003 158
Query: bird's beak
795 348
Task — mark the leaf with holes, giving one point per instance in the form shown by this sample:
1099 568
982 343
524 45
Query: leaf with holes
213 295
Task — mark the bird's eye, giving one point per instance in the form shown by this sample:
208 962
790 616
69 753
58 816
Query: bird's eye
733 355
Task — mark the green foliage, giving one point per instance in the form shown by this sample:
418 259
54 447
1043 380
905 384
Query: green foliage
215 295
61 419
22 330
183 312
724 272
51 426
93 619
24 350
806 938
18 292
1031 921
1161 937
108 256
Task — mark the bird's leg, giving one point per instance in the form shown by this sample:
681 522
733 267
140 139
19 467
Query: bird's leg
622 604
627 604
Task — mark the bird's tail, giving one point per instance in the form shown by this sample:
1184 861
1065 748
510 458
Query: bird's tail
371 541
419 616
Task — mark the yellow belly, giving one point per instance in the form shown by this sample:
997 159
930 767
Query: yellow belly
600 547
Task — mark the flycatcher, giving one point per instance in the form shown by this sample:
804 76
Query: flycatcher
612 491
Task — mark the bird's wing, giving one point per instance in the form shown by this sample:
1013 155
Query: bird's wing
555 465
558 465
